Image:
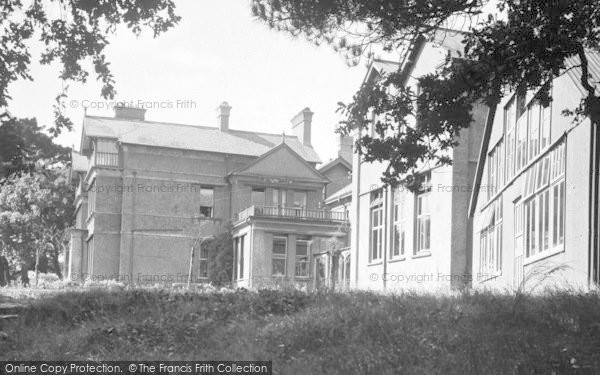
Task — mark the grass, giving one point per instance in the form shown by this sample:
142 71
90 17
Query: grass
477 333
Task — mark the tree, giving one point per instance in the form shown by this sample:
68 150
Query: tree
79 34
23 143
524 50
220 258
36 208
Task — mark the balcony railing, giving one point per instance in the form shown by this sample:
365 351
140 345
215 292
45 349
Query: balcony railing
291 213
106 159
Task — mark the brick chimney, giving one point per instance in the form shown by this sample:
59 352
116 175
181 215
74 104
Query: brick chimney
223 115
301 126
345 143
130 113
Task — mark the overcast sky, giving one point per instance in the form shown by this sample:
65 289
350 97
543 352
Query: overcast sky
218 52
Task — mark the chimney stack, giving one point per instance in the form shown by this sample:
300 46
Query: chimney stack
345 143
130 113
223 115
301 126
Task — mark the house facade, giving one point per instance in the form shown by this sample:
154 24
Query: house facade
415 240
149 194
534 227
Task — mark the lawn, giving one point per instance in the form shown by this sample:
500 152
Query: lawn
478 333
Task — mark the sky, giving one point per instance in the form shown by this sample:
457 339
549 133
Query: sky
217 53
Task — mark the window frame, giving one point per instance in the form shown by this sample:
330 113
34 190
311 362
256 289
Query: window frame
545 209
212 203
298 260
376 231
420 217
203 260
398 248
276 256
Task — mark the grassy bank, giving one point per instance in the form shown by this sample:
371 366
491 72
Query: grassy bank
317 333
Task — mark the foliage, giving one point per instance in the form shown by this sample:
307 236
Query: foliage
78 35
220 258
323 333
36 210
523 50
23 144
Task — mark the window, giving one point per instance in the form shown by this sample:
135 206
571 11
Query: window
398 225
495 165
490 251
423 218
544 210
206 202
510 125
258 196
279 258
545 126
300 199
106 153
203 262
375 252
90 256
534 130
531 134
279 197
521 147
91 201
238 269
302 260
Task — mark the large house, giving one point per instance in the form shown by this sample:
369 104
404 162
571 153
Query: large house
422 240
149 194
537 226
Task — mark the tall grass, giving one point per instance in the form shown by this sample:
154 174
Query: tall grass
318 333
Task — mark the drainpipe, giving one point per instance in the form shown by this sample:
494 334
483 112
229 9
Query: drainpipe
594 261
356 174
132 227
385 234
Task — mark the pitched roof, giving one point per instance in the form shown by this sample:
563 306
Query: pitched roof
292 160
333 162
189 137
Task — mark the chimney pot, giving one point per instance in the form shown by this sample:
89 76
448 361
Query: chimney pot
301 125
223 115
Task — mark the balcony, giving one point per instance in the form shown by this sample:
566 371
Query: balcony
105 159
291 213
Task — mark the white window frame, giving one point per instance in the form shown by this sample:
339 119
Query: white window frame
422 237
376 231
398 248
275 256
305 261
202 259
546 208
491 242
510 122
